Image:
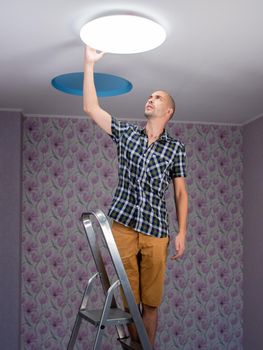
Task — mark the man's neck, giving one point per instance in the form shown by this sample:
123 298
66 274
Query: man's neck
153 129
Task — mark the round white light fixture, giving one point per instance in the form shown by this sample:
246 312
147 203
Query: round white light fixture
122 34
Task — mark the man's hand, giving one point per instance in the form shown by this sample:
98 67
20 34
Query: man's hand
179 244
91 55
90 100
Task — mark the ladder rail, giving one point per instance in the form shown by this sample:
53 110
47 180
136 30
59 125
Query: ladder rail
105 314
91 236
74 333
83 306
87 292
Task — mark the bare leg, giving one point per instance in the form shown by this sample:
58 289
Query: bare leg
149 316
133 332
132 329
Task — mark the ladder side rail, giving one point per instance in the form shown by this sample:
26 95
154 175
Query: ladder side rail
121 273
95 250
87 292
74 333
82 307
105 314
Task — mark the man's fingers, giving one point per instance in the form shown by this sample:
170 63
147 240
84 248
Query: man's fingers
177 255
179 246
101 54
179 251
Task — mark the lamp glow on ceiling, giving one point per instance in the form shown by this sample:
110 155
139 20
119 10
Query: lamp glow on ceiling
122 34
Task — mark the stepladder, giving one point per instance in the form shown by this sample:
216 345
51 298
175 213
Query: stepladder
95 224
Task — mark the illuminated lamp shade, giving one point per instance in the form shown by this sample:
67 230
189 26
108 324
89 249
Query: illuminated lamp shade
122 34
106 84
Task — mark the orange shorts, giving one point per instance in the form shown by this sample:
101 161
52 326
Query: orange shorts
144 259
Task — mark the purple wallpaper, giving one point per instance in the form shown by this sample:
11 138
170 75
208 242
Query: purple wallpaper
69 167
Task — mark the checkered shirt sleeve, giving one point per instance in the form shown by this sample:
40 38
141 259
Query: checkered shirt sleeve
179 165
118 128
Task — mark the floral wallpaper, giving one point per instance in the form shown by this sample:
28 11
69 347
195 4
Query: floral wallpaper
69 167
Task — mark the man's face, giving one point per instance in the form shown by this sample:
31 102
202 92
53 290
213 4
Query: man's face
157 105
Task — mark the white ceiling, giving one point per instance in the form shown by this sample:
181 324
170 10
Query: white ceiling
211 62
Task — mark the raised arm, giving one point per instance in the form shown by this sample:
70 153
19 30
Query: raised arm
90 100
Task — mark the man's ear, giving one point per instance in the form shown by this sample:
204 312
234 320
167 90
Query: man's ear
170 111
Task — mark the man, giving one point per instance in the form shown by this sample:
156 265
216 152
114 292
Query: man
148 160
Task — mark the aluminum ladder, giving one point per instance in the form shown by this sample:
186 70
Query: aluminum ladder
110 314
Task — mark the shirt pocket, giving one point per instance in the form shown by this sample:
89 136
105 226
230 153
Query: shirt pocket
157 169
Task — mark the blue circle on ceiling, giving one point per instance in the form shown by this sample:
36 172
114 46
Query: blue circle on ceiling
105 84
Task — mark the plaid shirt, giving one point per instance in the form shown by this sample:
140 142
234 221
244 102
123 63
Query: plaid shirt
144 175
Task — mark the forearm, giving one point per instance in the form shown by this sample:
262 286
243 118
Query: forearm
90 99
181 203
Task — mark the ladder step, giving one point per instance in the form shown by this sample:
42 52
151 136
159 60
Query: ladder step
116 316
129 344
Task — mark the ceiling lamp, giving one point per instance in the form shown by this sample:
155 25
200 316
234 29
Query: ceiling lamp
122 34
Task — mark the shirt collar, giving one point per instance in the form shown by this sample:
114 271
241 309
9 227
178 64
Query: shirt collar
164 135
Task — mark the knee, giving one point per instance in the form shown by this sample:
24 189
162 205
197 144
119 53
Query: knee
147 309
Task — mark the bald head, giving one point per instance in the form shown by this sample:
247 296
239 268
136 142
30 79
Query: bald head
171 103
